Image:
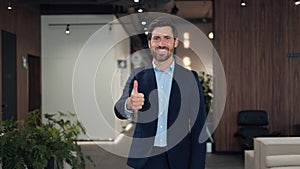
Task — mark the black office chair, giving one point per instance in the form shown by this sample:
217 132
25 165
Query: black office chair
252 124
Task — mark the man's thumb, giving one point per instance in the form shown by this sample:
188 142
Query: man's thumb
135 87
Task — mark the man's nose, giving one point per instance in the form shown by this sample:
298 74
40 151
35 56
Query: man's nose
162 42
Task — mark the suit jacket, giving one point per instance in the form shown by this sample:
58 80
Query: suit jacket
186 117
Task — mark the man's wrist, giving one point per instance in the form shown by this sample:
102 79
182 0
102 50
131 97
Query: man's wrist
127 105
128 112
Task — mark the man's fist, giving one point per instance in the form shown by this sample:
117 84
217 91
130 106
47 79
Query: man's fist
136 101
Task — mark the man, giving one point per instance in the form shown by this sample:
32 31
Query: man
166 102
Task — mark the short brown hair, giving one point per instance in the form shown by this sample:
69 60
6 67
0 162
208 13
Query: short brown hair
160 22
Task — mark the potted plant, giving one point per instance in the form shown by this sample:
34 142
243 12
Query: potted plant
28 143
206 81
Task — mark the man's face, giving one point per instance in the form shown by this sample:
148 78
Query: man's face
162 43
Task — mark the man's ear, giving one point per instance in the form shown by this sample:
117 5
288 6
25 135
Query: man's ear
176 43
149 43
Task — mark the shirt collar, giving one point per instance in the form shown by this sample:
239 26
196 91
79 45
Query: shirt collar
170 69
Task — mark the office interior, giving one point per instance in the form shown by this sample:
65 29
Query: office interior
257 44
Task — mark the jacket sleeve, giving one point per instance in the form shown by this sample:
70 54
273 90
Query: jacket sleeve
119 107
198 149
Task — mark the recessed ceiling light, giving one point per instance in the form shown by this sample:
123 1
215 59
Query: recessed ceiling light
67 29
9 6
211 35
186 43
186 61
140 10
186 35
243 3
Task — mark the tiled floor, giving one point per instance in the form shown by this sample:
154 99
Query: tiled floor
107 160
224 161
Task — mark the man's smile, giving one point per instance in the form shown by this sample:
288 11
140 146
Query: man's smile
162 50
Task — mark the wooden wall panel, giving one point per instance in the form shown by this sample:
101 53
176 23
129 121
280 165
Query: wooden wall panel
293 68
25 23
28 42
253 43
1 20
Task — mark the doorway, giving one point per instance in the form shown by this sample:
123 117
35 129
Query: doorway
9 76
34 76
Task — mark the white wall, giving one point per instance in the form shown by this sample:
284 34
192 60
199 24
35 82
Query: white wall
62 55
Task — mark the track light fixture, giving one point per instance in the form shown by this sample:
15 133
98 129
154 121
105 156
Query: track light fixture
211 35
9 6
297 2
174 10
144 23
243 3
140 10
68 29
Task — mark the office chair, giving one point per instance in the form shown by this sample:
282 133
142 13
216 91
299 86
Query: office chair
252 124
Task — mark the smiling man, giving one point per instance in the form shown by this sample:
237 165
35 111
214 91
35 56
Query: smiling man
166 102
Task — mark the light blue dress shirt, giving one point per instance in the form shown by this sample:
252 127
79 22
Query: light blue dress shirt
164 84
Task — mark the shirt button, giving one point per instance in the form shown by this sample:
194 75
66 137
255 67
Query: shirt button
161 127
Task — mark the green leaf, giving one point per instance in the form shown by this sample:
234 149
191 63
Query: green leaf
27 142
207 84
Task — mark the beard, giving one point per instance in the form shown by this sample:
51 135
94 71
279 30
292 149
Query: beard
161 54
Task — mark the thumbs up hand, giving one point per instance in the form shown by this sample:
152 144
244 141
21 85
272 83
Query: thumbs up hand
136 101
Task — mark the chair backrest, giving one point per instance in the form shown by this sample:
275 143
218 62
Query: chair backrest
252 124
253 118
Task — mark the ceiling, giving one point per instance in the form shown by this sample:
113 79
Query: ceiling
194 10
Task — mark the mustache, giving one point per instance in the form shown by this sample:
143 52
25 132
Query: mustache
162 47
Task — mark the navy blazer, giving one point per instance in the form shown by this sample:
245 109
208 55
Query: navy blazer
186 117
